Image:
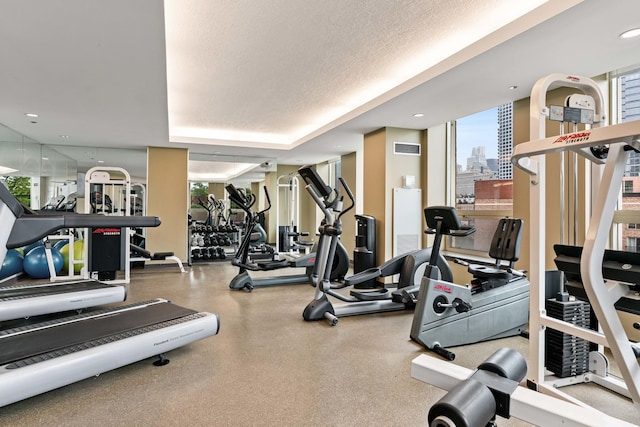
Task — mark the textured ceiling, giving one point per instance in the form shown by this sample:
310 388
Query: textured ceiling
274 72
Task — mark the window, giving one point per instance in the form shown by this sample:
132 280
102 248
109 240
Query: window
483 193
626 95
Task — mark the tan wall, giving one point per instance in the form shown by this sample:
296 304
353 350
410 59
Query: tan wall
383 171
167 179
375 187
217 189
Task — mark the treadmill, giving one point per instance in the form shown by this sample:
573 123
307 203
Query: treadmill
40 357
26 300
29 300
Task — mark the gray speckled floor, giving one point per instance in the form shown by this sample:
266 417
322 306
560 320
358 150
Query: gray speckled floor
266 367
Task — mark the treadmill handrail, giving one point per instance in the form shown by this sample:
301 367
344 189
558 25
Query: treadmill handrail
31 228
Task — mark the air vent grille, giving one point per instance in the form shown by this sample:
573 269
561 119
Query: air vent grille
406 148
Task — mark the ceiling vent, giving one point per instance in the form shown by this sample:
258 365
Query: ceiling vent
406 148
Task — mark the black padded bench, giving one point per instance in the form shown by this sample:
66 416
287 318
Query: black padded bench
145 255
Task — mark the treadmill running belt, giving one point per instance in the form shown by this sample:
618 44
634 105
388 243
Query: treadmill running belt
26 345
16 292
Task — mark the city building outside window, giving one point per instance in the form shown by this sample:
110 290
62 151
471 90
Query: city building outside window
626 95
483 193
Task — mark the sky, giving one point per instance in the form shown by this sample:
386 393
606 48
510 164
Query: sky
480 129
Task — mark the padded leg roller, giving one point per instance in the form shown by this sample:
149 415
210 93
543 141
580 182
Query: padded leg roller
477 400
468 404
507 363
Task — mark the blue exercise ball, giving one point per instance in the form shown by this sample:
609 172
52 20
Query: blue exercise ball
60 244
26 249
12 264
35 262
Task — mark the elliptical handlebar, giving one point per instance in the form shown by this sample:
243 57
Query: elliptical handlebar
239 198
349 193
266 193
208 206
246 202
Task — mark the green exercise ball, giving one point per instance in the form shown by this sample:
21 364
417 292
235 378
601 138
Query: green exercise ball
78 254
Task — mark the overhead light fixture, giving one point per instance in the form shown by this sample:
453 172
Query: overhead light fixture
630 33
513 87
31 114
418 115
64 136
45 158
100 161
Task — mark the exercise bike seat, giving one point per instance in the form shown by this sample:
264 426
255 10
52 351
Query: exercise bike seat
488 272
371 295
505 246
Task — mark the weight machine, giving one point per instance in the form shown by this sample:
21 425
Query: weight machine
107 250
288 241
608 145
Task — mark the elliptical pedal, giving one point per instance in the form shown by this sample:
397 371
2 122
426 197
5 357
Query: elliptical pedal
371 295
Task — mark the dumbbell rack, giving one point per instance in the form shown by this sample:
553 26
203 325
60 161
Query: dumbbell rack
208 243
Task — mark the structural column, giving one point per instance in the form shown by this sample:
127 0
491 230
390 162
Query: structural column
168 198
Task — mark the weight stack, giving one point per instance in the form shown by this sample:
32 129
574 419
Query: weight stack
567 355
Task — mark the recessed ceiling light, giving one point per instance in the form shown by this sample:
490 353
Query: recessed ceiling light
100 161
31 114
513 87
418 115
64 136
45 158
630 33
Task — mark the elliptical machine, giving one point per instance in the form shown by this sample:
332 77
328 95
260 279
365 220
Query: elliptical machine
243 279
409 266
495 305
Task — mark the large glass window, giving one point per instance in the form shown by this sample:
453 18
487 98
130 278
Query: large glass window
483 191
626 95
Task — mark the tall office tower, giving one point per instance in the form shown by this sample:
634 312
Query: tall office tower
505 141
478 159
630 110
